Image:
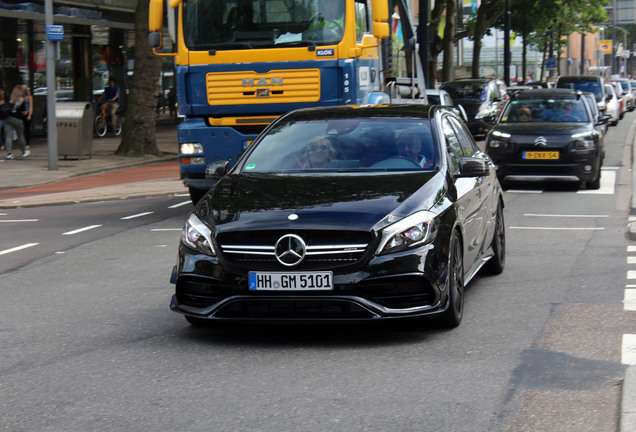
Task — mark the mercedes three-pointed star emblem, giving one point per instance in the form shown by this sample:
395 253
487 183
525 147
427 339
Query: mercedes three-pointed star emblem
290 250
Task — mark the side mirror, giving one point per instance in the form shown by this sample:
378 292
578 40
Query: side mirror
154 40
603 119
216 170
473 167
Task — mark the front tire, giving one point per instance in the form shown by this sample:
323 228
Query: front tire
497 263
453 315
594 184
100 126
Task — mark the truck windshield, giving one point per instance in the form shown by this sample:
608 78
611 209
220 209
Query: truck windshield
237 24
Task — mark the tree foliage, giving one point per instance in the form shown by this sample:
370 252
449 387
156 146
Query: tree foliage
533 21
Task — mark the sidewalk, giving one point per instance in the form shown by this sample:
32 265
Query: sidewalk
27 182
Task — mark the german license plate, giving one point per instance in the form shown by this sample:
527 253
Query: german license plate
279 281
540 155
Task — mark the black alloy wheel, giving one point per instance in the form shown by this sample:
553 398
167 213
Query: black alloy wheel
496 264
453 315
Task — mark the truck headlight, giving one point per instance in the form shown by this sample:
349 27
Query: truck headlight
191 148
196 235
415 230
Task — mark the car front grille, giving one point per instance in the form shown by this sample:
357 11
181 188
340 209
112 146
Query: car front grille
325 249
323 309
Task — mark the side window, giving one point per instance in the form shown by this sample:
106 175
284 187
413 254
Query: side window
466 141
453 147
362 19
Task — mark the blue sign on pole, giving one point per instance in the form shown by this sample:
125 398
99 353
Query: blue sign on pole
550 63
55 32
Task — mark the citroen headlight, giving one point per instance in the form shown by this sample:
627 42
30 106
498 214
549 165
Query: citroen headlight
191 148
587 144
198 236
415 230
584 141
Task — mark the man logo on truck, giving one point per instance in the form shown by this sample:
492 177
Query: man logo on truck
262 82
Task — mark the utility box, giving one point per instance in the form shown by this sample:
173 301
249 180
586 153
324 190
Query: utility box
74 124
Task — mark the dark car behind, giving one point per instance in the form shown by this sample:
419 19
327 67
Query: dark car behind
480 98
560 142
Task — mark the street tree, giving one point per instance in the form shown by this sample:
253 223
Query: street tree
138 134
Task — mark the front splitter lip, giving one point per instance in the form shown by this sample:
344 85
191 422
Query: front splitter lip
376 311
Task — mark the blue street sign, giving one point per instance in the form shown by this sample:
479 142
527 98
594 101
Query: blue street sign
55 32
550 63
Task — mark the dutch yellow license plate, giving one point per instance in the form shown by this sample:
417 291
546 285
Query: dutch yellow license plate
541 155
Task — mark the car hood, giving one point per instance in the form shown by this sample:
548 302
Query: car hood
249 202
542 128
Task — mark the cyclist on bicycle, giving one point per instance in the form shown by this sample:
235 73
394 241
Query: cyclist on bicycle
111 100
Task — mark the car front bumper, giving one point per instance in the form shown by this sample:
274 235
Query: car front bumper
407 284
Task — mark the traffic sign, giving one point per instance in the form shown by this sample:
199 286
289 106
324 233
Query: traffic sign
55 32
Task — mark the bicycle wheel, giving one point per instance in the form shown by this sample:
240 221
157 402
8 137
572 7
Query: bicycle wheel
117 127
100 126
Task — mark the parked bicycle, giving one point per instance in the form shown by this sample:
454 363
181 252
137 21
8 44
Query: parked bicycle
104 124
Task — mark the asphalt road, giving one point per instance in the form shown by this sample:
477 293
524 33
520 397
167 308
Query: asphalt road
87 341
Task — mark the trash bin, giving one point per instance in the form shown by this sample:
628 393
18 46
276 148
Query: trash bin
74 124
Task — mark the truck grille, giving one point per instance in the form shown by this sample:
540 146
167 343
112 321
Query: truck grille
249 87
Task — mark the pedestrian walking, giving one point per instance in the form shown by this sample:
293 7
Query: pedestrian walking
26 118
14 111
3 97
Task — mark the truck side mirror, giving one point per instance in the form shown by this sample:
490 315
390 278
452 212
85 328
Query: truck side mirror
154 39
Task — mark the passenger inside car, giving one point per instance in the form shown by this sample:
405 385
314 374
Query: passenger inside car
319 153
525 115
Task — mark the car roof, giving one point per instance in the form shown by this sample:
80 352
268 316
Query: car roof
358 111
553 93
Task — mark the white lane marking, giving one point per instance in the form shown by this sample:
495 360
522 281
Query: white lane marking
631 260
180 195
136 215
564 215
166 229
557 228
628 354
521 191
81 230
180 204
19 220
608 181
629 302
631 274
18 248
632 218
631 248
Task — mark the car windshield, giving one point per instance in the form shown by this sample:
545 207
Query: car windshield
545 110
241 24
466 90
344 144
593 87
624 85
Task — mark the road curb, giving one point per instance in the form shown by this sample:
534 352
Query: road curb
628 410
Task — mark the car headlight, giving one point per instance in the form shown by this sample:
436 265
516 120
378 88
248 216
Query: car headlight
497 144
191 148
587 144
415 230
486 112
198 236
